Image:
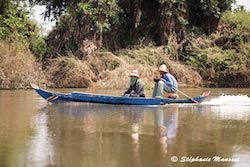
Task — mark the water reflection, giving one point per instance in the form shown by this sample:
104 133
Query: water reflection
166 124
84 127
135 118
100 134
41 152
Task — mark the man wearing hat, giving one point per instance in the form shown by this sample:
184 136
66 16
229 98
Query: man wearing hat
166 82
136 88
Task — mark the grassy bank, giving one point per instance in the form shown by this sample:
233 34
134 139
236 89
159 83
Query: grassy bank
108 70
210 66
223 58
17 67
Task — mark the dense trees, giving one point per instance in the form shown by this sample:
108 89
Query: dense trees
206 13
16 27
117 24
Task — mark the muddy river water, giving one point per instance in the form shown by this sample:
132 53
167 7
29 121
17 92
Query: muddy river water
36 133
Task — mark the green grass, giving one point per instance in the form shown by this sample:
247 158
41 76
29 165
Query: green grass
239 20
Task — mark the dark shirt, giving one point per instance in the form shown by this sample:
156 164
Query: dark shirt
170 81
136 90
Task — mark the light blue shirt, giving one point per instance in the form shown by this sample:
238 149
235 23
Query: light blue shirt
170 81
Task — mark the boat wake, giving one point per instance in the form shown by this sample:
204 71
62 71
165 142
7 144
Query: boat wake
234 107
234 100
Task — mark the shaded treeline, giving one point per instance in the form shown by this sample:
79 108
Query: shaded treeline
120 24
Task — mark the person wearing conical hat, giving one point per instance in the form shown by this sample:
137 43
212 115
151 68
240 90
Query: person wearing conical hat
136 87
167 82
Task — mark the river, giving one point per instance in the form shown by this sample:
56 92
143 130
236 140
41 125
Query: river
35 133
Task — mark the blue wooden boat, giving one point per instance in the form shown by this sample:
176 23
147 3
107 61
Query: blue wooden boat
105 99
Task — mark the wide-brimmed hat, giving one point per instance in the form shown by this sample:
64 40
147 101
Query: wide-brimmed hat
134 73
163 68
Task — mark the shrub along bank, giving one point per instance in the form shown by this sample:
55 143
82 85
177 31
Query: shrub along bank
18 68
223 58
108 70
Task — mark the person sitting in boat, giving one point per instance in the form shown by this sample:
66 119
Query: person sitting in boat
166 82
136 88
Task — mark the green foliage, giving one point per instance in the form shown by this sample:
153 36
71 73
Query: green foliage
107 61
82 28
174 17
170 49
233 30
145 56
124 22
16 27
213 63
6 5
54 8
240 20
225 61
206 14
211 8
38 46
103 13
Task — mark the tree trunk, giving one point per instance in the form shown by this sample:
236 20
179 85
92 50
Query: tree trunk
100 44
208 25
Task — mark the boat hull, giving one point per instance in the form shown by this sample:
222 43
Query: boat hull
93 98
105 99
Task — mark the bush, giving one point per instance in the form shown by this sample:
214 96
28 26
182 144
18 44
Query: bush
38 46
17 68
69 72
217 65
238 20
18 29
147 60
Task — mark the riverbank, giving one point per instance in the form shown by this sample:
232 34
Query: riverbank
220 59
18 67
111 70
108 70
